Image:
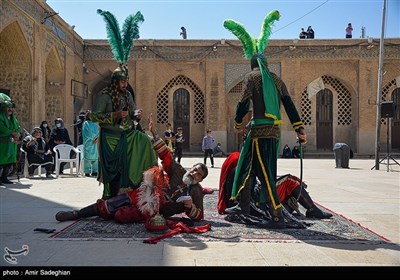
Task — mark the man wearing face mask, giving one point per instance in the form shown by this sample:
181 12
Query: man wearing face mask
183 194
59 135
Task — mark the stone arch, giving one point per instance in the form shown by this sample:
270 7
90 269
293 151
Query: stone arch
102 80
343 106
390 92
232 99
16 71
197 100
54 97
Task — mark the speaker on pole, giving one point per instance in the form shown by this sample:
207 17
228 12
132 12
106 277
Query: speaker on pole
387 109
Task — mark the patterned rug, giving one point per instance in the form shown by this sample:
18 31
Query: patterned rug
337 229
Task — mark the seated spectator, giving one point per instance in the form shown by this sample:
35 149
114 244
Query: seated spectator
217 151
286 153
59 135
38 152
295 152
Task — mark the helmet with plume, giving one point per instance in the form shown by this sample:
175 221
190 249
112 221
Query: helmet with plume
254 50
121 42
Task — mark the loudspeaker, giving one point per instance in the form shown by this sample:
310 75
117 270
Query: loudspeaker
387 109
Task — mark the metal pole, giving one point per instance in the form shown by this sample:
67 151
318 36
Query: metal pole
387 142
379 90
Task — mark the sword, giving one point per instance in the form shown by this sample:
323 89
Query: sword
301 165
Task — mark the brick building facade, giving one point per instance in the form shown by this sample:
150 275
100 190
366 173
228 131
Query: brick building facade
52 72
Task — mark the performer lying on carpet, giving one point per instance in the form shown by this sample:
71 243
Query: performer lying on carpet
179 192
288 188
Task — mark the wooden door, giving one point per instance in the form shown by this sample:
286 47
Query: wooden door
181 102
324 120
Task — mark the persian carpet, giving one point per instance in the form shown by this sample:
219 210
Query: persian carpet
337 229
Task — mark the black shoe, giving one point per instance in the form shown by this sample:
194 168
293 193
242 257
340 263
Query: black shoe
6 181
94 174
48 175
87 174
274 223
316 213
234 210
67 216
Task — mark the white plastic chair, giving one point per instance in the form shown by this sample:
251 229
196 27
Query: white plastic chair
63 154
26 164
80 148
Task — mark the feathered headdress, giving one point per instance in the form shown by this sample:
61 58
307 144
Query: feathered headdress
121 43
254 50
250 46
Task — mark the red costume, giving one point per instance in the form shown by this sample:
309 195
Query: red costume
155 195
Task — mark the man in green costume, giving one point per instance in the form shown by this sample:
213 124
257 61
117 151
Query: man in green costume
124 150
9 135
259 153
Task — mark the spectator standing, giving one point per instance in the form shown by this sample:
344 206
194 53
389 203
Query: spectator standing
9 135
207 148
302 34
349 31
179 139
310 33
90 135
78 139
183 33
169 137
44 126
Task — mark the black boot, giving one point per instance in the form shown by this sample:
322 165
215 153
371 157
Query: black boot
6 170
277 221
67 216
312 210
88 211
316 213
244 203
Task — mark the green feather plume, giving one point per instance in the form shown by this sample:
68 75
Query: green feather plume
130 31
266 27
113 35
121 45
249 44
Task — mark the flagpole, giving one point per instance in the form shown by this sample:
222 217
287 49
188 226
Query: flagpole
379 90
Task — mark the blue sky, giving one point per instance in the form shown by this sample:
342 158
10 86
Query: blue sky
204 19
